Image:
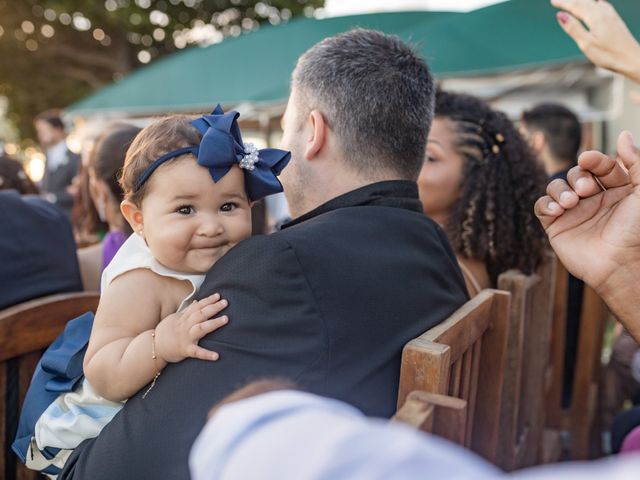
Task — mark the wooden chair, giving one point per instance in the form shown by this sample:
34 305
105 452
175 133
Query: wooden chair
463 357
523 399
442 415
25 330
580 419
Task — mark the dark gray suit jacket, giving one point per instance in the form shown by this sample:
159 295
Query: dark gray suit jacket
329 302
56 181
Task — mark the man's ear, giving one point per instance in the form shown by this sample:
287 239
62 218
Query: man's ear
317 139
133 214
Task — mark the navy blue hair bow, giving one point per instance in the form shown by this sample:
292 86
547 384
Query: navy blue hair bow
222 147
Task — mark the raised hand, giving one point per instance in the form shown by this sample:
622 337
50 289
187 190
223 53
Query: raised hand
605 40
596 232
177 336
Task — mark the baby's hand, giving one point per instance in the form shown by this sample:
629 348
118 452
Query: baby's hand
177 336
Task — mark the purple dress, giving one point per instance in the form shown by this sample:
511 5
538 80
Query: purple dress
110 246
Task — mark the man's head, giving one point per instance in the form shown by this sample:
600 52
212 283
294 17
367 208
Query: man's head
555 134
360 109
50 128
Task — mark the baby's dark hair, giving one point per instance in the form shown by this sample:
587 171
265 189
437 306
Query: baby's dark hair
161 137
493 219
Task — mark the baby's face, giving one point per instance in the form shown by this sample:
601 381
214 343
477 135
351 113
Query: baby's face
190 221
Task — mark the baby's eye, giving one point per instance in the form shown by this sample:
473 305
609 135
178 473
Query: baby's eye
185 210
229 207
430 158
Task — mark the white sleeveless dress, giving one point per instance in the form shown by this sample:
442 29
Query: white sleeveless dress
76 416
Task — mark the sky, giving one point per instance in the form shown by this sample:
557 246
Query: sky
348 7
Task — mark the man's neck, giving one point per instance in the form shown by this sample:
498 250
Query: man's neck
335 187
553 166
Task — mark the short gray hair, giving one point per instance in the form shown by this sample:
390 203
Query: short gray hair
377 95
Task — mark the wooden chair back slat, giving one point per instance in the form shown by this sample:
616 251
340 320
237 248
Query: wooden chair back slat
493 355
522 415
580 418
463 357
537 351
456 379
554 380
584 397
25 331
473 391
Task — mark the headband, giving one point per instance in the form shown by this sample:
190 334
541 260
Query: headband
222 147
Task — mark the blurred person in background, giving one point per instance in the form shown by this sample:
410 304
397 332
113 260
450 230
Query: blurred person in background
37 251
105 163
555 135
61 163
13 177
479 181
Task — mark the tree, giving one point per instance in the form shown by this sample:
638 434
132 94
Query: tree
54 52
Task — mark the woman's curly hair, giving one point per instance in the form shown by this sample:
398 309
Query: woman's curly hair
493 219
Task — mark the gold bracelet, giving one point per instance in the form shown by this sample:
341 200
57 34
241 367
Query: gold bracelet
153 344
153 356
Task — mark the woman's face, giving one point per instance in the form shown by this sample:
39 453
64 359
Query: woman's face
441 174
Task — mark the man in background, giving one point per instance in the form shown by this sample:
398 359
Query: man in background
555 134
61 164
37 250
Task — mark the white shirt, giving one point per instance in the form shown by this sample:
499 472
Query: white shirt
289 435
133 254
56 156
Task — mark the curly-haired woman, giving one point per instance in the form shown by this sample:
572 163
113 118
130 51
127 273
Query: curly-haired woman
480 181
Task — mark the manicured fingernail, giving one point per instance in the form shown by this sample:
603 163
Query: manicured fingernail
224 302
215 356
553 207
563 17
224 319
566 197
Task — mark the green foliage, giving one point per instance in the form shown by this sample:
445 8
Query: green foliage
54 52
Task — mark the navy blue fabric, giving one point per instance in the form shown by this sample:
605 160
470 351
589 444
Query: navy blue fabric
59 371
222 147
37 250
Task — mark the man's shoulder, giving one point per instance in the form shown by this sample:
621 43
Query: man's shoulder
257 252
15 206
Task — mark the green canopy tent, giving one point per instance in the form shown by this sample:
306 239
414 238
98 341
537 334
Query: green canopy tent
252 68
256 67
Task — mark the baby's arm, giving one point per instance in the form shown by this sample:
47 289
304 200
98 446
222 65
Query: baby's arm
119 360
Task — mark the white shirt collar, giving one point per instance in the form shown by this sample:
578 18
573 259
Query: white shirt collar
57 156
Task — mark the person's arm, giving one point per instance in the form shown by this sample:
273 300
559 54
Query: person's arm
606 40
264 431
596 233
127 334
